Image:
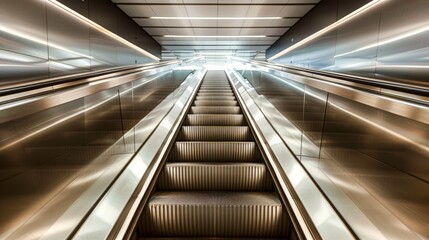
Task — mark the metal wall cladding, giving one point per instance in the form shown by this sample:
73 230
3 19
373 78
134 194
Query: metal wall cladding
43 153
23 41
377 159
39 40
388 41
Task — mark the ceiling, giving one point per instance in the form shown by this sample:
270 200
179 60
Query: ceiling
240 28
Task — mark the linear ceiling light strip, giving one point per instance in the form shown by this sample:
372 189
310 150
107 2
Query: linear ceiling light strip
347 18
101 29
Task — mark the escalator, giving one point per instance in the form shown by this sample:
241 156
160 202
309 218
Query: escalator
214 182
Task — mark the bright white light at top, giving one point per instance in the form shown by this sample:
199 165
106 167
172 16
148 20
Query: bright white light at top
214 36
216 18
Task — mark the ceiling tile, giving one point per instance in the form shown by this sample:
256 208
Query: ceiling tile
264 11
180 31
232 11
169 10
156 31
149 22
137 10
295 10
202 11
226 8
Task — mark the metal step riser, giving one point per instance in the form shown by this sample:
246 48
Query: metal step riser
214 152
215 103
215 110
215 94
215 91
211 219
214 133
214 120
216 98
206 177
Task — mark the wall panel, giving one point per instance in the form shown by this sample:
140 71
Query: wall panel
39 40
389 41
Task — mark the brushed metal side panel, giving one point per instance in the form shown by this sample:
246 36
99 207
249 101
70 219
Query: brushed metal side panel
15 67
103 49
23 41
403 46
72 36
51 158
388 156
23 27
358 32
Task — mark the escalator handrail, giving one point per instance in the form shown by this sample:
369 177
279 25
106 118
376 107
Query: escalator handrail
374 82
50 82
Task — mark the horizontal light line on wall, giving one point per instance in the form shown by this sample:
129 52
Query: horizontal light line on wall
212 36
347 18
101 29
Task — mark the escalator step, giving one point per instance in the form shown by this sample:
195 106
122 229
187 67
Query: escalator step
215 103
216 98
215 110
215 120
215 177
215 94
215 133
214 152
214 214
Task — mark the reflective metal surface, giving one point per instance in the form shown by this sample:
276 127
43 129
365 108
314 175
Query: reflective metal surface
57 162
39 40
141 169
315 217
370 160
389 41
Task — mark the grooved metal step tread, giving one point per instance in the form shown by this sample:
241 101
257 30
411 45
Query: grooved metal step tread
215 177
215 110
215 94
214 214
215 120
216 98
215 133
219 103
214 152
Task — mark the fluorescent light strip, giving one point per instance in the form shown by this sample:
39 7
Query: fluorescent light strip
219 36
347 18
101 29
216 18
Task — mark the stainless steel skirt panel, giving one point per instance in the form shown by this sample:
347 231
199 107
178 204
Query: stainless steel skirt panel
215 133
215 177
214 214
215 120
214 152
